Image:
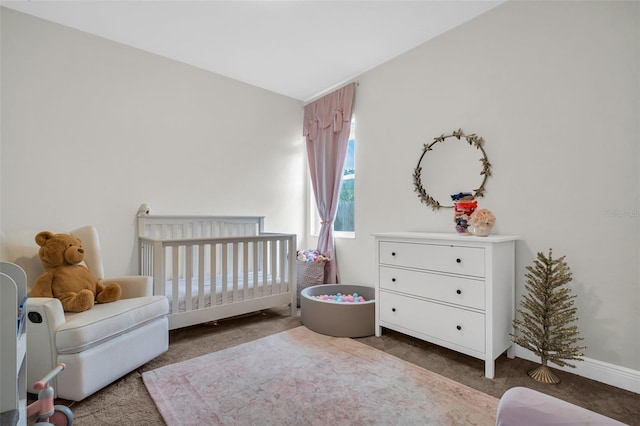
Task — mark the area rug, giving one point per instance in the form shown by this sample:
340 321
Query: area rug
299 377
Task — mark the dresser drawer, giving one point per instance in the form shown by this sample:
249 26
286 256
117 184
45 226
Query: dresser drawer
455 325
435 257
462 291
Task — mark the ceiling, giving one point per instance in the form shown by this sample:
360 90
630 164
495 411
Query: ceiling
296 48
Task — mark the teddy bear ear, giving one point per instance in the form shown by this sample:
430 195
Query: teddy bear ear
42 237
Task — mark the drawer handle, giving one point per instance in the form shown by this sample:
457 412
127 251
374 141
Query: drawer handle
458 327
393 280
393 309
393 253
459 291
458 260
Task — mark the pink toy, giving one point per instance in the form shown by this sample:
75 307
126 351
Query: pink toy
48 413
311 256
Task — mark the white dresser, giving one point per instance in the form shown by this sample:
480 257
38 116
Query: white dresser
453 290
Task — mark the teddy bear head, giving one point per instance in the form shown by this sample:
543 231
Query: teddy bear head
59 249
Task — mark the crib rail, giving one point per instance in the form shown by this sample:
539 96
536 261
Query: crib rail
177 227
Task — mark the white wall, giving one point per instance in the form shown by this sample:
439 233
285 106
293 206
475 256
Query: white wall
91 129
553 87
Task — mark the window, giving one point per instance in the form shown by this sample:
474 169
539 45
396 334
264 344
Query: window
344 217
344 225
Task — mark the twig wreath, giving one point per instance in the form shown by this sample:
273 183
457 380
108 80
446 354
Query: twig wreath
472 140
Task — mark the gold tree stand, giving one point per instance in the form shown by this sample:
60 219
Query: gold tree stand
544 374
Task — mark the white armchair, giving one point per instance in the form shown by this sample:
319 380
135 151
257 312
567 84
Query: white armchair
100 345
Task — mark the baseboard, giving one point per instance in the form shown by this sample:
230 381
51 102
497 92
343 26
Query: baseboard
610 374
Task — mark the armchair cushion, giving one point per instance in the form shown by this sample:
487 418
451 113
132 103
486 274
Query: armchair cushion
103 322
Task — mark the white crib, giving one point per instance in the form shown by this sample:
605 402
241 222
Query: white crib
214 267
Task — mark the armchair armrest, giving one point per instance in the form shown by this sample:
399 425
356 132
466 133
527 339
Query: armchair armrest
44 316
132 286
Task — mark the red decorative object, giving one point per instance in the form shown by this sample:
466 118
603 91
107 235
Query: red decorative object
461 212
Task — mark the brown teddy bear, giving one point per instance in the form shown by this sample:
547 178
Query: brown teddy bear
66 277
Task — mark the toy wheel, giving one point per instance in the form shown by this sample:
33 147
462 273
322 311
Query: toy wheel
62 416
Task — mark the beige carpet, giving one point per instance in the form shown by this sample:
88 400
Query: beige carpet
302 377
127 401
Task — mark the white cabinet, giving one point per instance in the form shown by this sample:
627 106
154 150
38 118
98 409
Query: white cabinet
453 290
13 346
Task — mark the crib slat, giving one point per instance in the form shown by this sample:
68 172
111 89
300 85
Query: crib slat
175 280
235 271
214 275
188 276
265 268
255 271
201 276
274 265
225 272
281 255
245 270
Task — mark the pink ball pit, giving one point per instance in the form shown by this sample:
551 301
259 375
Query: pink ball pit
339 319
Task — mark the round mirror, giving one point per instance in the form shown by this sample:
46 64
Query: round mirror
450 165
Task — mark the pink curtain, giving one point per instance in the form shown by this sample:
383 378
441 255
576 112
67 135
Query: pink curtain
327 122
